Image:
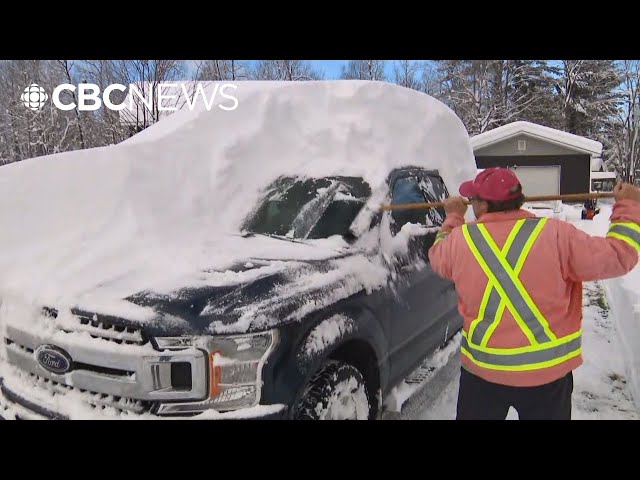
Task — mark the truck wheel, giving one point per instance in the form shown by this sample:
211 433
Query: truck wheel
336 392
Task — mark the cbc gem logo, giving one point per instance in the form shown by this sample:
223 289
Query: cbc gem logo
34 97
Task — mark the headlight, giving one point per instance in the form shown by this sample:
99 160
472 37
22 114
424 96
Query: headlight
234 374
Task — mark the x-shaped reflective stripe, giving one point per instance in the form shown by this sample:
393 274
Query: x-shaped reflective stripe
504 288
493 305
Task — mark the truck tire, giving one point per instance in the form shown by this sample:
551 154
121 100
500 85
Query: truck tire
336 392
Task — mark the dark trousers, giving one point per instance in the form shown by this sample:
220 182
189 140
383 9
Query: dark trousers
482 400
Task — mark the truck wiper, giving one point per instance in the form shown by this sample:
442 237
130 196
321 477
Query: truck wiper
272 235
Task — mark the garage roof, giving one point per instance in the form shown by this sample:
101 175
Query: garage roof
538 131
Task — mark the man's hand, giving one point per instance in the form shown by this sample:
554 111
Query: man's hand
626 191
455 205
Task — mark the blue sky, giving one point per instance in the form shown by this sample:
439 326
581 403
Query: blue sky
333 68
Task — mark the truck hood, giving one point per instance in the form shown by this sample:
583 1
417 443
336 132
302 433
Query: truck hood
236 284
266 294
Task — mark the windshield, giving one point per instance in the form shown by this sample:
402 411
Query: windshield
309 208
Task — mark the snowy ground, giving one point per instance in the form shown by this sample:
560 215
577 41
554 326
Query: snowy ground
603 385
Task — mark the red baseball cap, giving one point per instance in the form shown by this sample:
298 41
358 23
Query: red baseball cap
498 184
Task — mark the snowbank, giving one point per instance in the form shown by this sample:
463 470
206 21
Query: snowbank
624 298
92 227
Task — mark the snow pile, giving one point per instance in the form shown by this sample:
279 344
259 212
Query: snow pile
624 295
604 383
92 227
573 212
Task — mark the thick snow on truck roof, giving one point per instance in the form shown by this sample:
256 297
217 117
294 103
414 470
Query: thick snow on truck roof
156 209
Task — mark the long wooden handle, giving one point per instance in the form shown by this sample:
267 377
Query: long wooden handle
538 198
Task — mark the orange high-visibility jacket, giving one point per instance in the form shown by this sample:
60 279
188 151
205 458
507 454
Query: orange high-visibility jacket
519 283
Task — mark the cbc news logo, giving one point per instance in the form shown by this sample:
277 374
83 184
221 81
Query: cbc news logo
34 97
90 97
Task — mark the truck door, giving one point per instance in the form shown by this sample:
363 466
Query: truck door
423 301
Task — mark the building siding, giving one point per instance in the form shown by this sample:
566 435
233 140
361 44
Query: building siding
534 146
575 170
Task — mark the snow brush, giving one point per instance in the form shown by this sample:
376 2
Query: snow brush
539 198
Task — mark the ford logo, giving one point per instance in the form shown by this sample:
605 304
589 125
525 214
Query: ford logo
53 359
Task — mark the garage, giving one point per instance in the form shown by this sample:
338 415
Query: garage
547 161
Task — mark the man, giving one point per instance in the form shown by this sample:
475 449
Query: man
519 282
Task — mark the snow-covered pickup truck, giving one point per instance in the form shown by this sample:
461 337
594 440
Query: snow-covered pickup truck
232 264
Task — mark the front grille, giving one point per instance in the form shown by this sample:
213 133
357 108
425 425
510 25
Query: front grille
98 326
97 401
101 374
13 344
114 372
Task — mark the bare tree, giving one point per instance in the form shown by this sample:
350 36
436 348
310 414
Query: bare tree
30 125
517 88
364 70
432 81
623 145
109 129
586 92
290 70
215 70
147 75
66 67
490 93
529 94
406 72
467 90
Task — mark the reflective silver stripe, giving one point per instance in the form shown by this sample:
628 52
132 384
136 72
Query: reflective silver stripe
525 358
515 250
489 314
627 232
506 282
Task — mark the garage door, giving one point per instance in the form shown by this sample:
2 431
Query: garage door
540 181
